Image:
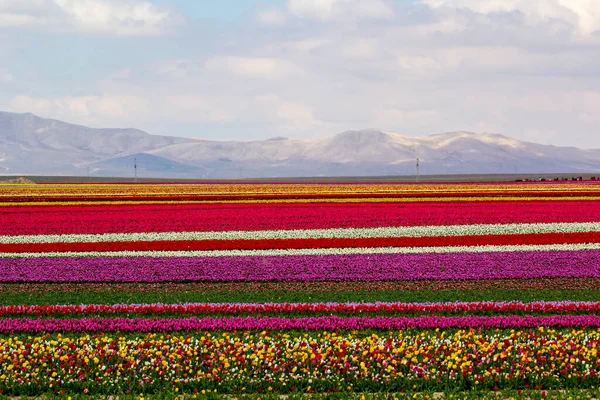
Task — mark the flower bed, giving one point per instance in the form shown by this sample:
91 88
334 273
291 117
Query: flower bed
257 288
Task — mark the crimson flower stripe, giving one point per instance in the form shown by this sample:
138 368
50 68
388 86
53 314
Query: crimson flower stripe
321 243
99 219
232 308
279 323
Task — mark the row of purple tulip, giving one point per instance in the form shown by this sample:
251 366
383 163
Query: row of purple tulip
347 267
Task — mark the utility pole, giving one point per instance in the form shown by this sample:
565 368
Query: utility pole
135 169
417 170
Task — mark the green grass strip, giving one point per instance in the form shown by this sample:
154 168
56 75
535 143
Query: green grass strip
133 297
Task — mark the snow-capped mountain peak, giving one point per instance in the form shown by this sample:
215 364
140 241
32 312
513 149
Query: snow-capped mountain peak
34 145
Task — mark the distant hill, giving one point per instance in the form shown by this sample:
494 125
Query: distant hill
30 145
33 145
20 181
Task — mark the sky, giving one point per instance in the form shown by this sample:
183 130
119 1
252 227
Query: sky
255 69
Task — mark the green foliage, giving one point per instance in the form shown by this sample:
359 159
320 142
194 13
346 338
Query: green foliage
286 296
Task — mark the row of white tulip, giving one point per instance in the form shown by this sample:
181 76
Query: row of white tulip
316 252
404 231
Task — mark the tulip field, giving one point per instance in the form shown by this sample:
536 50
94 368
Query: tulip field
264 289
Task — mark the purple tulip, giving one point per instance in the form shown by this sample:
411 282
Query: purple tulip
361 267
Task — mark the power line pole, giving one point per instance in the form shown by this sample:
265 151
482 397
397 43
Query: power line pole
135 169
418 170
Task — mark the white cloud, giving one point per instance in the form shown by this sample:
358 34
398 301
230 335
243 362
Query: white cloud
321 9
14 13
396 118
309 44
254 67
30 104
584 15
361 49
123 74
271 17
119 106
298 47
332 9
418 64
129 110
590 110
109 17
298 115
483 59
83 109
490 58
176 69
449 25
197 109
5 76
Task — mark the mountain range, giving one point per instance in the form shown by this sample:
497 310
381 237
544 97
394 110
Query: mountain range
30 145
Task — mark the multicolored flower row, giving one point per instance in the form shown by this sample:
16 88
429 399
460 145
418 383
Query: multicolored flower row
252 197
227 189
242 362
432 199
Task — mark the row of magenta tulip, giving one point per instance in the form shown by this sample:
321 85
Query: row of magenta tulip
190 324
